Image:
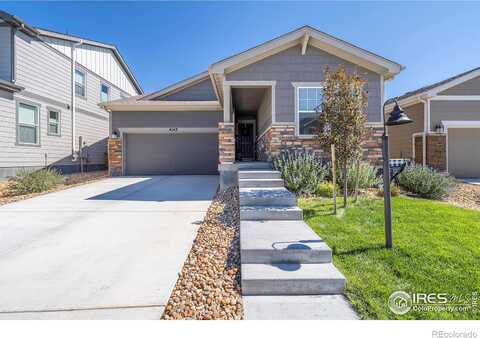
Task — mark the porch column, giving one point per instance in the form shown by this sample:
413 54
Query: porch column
115 157
226 154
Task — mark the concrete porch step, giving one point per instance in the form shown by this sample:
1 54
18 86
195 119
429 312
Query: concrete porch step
271 242
291 279
265 173
254 165
311 307
274 212
267 197
260 183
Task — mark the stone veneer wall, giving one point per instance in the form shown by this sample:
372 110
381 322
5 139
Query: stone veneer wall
282 137
418 150
226 142
115 157
436 151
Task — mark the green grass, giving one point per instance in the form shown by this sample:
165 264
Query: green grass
436 250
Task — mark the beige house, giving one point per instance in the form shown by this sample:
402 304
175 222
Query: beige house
446 130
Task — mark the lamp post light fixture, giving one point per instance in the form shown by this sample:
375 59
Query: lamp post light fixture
397 117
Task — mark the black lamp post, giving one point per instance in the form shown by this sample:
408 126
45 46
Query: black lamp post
397 117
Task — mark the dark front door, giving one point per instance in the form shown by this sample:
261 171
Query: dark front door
245 144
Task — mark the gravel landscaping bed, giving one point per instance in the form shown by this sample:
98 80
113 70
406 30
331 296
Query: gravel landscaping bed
208 286
71 180
465 195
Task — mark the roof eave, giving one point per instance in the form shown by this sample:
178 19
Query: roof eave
163 106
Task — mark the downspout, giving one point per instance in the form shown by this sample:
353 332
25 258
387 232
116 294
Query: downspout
75 44
426 128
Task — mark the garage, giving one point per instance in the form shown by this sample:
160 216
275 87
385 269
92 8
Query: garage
171 153
463 152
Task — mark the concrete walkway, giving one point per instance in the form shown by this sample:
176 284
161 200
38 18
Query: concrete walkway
106 250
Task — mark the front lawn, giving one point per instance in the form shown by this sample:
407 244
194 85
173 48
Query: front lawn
436 250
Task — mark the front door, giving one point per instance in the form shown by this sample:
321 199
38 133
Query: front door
245 141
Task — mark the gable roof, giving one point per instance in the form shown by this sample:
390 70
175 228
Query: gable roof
36 32
437 87
305 35
308 35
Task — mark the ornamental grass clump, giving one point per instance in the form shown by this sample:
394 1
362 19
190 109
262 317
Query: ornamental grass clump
28 182
367 177
302 171
425 182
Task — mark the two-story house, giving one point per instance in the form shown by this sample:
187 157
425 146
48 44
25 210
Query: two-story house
51 85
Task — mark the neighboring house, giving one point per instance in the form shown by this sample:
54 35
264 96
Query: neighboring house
37 82
246 107
445 134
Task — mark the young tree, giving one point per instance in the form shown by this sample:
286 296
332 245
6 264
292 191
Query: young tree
342 118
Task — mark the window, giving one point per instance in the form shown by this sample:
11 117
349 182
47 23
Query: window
309 101
27 124
104 93
79 83
54 122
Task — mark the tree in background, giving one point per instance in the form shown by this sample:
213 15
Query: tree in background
342 118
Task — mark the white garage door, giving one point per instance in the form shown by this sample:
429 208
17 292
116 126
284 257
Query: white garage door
464 152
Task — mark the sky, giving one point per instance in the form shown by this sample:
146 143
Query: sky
165 42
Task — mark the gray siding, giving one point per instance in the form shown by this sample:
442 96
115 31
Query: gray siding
5 53
45 74
290 66
264 115
202 91
453 111
470 87
166 119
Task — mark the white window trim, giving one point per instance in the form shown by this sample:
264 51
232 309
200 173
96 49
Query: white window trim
297 86
17 124
59 123
108 91
85 84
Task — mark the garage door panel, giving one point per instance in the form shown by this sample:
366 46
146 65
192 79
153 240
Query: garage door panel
171 154
464 152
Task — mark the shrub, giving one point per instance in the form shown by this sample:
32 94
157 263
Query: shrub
302 171
367 177
27 182
425 182
394 191
325 189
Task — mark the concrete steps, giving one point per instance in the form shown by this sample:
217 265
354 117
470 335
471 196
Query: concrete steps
284 262
267 197
310 307
291 279
265 173
274 212
260 183
254 165
272 242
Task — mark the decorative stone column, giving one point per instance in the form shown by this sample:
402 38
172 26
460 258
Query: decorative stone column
115 157
226 155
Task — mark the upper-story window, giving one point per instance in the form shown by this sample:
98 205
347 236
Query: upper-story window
309 102
104 93
54 122
28 124
80 83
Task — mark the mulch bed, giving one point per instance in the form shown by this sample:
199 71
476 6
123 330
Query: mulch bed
208 286
465 195
71 180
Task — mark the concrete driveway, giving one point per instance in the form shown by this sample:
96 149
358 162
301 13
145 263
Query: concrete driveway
109 249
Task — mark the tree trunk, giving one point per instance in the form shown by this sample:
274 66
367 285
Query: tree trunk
334 180
357 177
345 188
